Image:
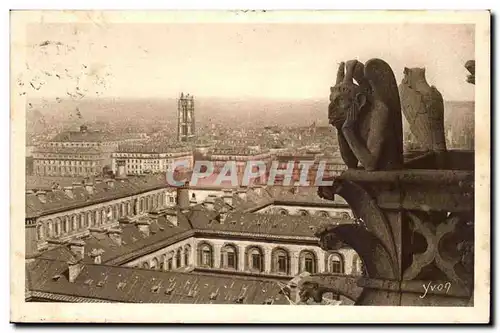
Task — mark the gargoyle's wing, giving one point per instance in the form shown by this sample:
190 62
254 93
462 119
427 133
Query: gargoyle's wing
385 88
413 104
435 106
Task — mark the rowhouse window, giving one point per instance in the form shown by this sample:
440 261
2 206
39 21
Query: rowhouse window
178 259
170 264
282 263
231 262
255 260
205 253
309 265
336 264
186 257
206 257
308 262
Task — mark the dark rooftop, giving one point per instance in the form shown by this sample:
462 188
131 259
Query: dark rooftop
57 200
155 148
262 224
135 285
84 136
68 150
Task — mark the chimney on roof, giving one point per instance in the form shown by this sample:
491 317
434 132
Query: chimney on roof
68 190
74 269
89 187
193 200
183 197
77 247
222 217
228 196
171 217
42 196
94 232
110 182
120 170
209 202
258 189
115 235
144 227
96 255
124 221
242 194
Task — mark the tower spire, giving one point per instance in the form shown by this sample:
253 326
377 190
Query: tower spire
185 118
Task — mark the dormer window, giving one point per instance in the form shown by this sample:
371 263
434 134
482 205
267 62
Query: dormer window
269 301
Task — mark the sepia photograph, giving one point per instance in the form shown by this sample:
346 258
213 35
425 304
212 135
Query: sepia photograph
211 166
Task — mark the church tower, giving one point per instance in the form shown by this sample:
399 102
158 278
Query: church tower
185 118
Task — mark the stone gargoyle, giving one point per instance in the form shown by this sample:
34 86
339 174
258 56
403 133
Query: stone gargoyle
366 111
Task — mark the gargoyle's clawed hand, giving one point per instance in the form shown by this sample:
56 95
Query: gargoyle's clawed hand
352 116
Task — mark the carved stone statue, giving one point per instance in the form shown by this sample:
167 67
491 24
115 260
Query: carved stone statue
423 107
470 65
367 115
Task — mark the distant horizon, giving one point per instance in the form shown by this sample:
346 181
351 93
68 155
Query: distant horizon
52 100
226 60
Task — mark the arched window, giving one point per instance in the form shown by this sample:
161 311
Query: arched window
103 216
65 224
187 254
283 212
124 210
116 212
205 255
178 258
82 221
141 205
40 232
323 213
303 212
154 263
57 227
162 199
358 267
96 219
145 265
281 261
336 263
74 222
162 262
345 215
89 219
308 262
129 208
255 259
170 261
229 257
193 196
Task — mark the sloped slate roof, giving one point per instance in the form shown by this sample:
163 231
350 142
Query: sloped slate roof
124 284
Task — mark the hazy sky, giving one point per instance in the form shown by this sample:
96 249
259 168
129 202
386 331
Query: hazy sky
255 60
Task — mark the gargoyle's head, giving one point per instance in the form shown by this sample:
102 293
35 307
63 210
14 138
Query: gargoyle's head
412 75
349 91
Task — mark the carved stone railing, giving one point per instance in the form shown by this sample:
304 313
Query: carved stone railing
416 235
